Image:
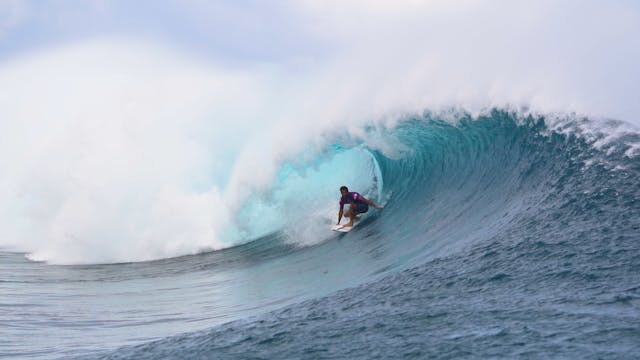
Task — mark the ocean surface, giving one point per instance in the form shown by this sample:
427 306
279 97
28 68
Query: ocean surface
503 235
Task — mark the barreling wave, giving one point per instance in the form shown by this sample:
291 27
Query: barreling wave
447 178
472 205
497 214
448 183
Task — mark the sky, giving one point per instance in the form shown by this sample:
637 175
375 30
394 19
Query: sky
239 31
471 52
118 116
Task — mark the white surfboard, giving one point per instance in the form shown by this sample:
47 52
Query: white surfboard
342 228
346 229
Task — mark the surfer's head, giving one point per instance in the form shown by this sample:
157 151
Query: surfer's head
344 190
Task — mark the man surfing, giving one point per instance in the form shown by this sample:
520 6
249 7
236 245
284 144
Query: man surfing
358 204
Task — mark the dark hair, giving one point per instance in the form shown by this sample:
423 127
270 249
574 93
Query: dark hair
344 187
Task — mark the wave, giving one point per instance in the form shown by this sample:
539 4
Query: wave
445 176
500 196
189 155
483 212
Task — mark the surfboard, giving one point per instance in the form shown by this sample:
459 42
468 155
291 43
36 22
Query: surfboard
342 228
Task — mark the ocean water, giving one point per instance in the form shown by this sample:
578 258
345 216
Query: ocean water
504 235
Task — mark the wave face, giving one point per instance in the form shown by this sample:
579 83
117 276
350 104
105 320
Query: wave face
501 236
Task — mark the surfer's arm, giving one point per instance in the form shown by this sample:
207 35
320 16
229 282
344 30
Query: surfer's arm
340 215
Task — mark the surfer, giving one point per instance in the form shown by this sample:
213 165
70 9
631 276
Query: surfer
358 204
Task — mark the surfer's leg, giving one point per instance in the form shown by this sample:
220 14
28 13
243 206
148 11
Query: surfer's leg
351 214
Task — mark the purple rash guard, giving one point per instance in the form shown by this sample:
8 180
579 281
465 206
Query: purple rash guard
352 197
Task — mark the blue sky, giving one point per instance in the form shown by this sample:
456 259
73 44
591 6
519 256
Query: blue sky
265 31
